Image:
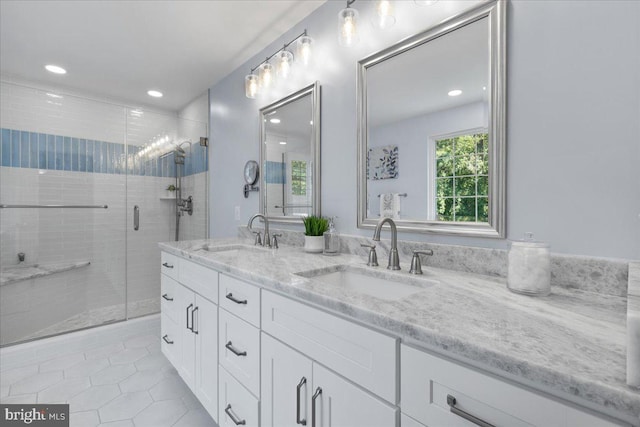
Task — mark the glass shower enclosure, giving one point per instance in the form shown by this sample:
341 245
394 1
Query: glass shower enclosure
87 190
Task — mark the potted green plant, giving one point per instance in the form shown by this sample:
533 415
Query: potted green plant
170 191
314 227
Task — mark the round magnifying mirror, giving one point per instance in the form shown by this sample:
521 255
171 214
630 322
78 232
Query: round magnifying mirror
251 172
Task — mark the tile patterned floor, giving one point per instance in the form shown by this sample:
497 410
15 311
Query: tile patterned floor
111 376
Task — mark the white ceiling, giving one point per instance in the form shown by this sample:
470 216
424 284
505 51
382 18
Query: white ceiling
121 49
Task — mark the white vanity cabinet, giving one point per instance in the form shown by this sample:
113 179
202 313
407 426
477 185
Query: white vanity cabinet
239 352
189 323
299 391
431 386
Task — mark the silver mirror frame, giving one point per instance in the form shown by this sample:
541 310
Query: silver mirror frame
313 90
495 11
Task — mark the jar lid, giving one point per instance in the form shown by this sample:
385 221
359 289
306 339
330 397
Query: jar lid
528 242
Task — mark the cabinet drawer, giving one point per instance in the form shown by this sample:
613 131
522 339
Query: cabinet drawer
168 301
239 346
360 354
199 279
235 401
427 381
170 339
241 299
170 264
406 421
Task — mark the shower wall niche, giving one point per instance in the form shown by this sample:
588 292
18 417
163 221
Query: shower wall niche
84 264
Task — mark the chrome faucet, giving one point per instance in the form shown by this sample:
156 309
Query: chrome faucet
267 240
394 260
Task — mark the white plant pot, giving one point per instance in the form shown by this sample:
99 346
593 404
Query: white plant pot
313 244
170 194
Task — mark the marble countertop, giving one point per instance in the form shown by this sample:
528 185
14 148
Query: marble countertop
572 343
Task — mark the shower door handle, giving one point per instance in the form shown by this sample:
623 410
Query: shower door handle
136 217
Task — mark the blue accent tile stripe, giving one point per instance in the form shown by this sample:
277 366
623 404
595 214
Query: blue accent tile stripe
6 147
274 173
23 149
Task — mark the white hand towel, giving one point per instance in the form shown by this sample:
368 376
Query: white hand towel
390 205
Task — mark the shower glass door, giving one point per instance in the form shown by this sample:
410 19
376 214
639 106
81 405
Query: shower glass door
62 221
166 197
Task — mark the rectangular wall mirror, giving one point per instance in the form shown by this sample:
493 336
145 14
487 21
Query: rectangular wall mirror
290 156
431 128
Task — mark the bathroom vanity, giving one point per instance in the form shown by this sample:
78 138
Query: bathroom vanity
279 337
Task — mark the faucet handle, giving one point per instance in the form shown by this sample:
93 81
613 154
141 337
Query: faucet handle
274 240
416 265
373 256
258 241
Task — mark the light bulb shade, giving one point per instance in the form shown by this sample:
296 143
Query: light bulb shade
304 49
348 27
251 86
385 14
425 2
266 75
284 62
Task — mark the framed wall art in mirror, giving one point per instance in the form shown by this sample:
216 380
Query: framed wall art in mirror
290 156
431 128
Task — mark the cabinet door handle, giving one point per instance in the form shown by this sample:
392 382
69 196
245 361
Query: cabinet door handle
451 401
189 328
237 301
166 339
232 349
136 217
166 296
235 419
303 421
193 323
166 264
313 406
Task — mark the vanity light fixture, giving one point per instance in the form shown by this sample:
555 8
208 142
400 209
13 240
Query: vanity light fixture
263 76
55 69
348 25
154 93
284 61
385 14
455 92
283 143
275 121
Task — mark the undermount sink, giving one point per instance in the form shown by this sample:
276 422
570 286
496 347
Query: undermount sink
377 283
234 250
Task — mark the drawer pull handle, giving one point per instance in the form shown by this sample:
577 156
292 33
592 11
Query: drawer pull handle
189 328
235 419
166 339
313 406
166 264
237 301
166 296
451 401
232 349
303 421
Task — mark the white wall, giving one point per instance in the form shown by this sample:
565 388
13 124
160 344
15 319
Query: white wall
573 122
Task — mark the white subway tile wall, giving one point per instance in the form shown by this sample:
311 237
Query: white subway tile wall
72 151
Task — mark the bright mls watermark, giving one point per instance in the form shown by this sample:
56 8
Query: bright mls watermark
41 415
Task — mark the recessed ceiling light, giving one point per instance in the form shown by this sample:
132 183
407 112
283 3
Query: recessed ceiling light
154 93
311 122
455 92
484 88
283 143
275 121
55 69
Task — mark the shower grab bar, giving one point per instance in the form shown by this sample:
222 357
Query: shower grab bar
54 206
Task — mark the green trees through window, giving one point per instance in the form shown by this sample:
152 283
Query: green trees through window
298 178
462 181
